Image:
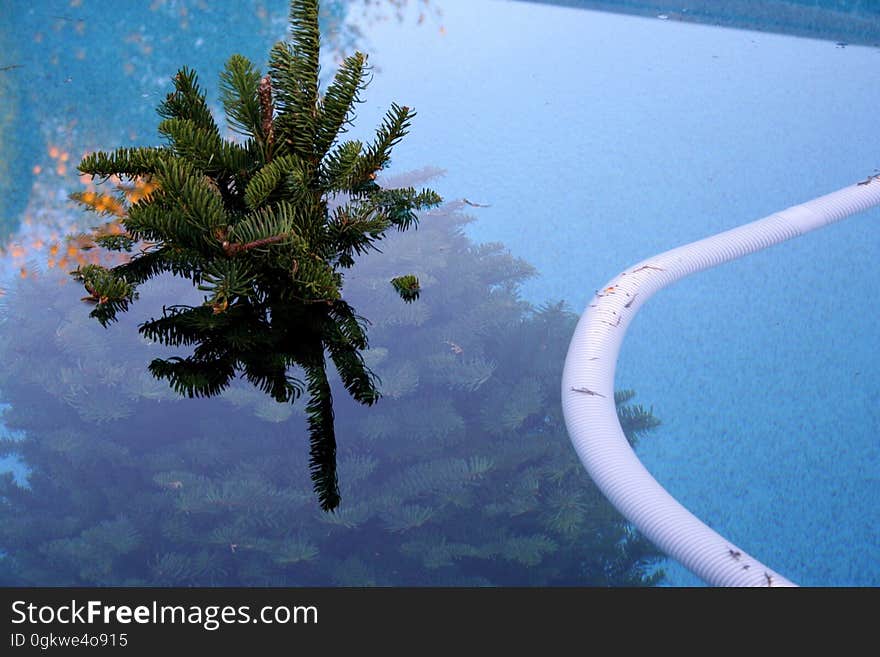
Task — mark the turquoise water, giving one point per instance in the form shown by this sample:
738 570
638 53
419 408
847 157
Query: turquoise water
597 140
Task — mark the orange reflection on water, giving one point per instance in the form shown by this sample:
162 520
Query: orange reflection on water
50 215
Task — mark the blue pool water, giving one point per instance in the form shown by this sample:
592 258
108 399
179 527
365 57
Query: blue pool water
631 136
597 140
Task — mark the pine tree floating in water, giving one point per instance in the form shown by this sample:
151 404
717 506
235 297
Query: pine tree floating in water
249 223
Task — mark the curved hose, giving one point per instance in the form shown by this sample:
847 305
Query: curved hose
588 386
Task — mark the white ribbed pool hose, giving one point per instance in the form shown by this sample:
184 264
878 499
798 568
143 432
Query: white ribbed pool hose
588 386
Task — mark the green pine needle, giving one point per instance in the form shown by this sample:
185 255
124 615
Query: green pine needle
251 225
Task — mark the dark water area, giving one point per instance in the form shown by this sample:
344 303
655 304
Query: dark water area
461 475
842 21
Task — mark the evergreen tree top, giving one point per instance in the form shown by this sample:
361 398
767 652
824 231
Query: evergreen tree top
255 224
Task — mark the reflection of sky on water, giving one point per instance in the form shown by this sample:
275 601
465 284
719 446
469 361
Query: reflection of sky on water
598 140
